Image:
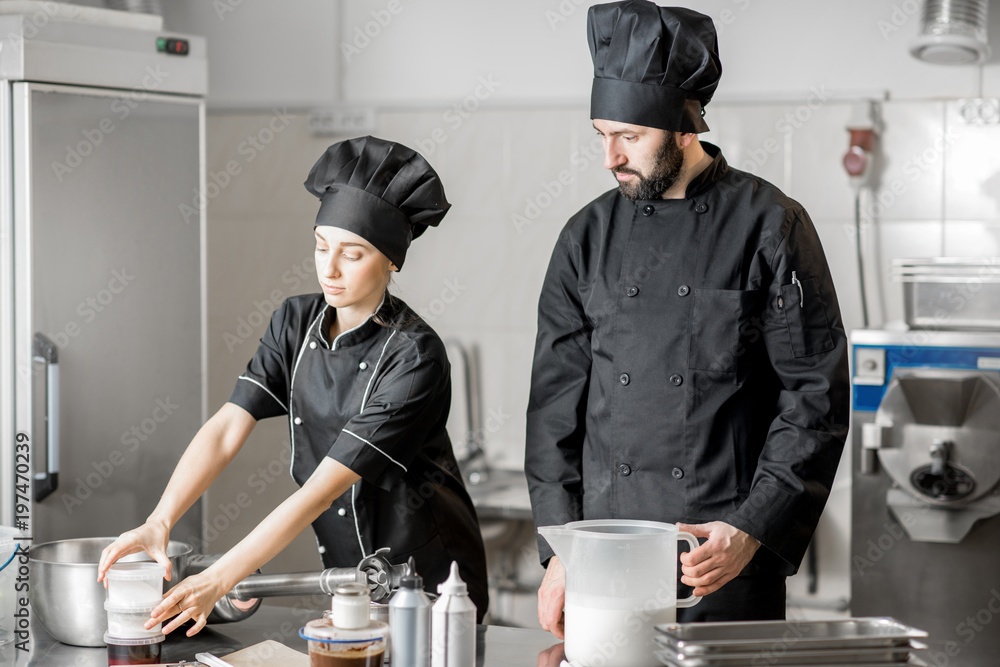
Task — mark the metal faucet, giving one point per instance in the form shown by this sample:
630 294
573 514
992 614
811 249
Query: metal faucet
473 462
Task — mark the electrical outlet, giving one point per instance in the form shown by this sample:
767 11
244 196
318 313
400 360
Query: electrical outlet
342 122
980 111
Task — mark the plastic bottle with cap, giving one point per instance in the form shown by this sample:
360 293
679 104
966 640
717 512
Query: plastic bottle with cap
453 642
410 621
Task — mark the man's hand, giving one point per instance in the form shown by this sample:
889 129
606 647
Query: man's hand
716 562
553 656
552 598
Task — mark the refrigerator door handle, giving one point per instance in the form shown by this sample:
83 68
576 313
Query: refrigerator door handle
45 350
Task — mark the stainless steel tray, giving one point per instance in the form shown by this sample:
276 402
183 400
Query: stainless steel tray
753 636
886 655
913 662
950 292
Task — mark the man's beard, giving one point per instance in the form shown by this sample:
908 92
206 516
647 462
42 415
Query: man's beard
666 168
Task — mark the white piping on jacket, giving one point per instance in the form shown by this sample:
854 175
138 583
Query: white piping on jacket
364 399
375 448
291 387
249 379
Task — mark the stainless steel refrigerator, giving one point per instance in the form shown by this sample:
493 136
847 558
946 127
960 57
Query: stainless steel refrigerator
102 246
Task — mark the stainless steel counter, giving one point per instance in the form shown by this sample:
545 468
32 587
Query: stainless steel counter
498 646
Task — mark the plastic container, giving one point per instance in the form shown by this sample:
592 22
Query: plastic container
330 646
621 580
8 575
137 584
129 622
134 651
351 606
348 637
453 624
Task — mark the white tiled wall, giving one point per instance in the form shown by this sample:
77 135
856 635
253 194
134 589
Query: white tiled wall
477 276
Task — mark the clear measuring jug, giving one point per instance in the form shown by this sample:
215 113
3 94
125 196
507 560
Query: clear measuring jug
621 580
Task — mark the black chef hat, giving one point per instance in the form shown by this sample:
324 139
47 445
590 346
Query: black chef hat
382 191
653 66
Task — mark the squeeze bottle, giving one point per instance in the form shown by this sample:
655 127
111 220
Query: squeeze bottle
453 643
410 621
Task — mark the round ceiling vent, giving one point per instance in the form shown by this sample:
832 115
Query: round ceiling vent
952 32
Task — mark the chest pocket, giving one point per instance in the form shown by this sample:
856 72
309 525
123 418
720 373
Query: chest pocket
724 323
805 317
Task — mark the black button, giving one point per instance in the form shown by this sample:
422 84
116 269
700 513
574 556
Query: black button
625 469
676 380
624 378
683 290
632 290
701 208
677 473
648 210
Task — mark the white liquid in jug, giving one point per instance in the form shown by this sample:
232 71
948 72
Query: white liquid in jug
600 637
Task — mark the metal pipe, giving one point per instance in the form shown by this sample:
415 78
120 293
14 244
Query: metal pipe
296 583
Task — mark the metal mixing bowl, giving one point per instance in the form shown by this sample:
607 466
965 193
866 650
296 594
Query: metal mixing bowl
65 595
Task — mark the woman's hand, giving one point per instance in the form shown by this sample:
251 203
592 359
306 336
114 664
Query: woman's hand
192 598
151 537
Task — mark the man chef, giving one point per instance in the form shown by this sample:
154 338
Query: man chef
691 363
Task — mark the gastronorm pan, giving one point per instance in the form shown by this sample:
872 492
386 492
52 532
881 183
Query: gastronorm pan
886 655
752 636
913 662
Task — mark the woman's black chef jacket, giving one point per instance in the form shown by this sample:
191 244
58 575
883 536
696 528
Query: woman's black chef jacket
690 366
376 399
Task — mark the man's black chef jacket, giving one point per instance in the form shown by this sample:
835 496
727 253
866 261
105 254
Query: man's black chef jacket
376 399
690 366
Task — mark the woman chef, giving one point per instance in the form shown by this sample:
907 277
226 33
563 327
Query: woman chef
365 385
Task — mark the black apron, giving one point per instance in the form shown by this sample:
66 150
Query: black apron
376 399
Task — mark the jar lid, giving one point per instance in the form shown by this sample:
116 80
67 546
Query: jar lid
140 608
352 589
323 630
141 641
136 571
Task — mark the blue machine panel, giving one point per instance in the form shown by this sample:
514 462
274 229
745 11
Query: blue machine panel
868 397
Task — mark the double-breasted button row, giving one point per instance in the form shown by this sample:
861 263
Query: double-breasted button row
675 379
633 290
363 365
625 470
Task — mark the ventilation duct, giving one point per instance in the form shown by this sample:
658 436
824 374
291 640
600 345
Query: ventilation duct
952 32
139 6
